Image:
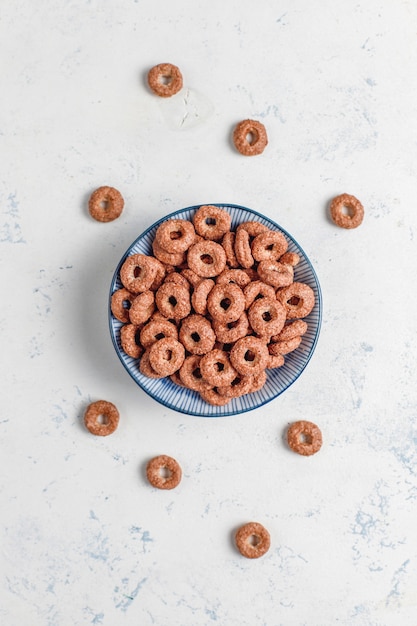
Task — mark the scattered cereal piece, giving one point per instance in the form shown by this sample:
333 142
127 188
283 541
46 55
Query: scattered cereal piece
252 540
346 211
250 138
101 418
304 438
105 204
163 472
165 80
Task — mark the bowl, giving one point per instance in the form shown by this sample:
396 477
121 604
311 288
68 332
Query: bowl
177 398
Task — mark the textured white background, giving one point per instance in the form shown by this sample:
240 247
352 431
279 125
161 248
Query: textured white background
83 537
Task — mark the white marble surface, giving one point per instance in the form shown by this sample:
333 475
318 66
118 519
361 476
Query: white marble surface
83 538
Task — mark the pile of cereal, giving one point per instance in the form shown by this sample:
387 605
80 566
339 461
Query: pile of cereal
213 308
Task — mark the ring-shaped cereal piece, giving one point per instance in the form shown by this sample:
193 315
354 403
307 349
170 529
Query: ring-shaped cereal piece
200 295
228 243
275 273
240 386
267 316
191 376
166 356
346 211
258 381
304 437
165 80
142 308
120 303
138 272
290 258
243 250
257 289
163 472
105 204
274 361
269 246
173 301
211 222
169 258
216 368
284 347
130 340
157 329
175 235
231 331
252 540
292 329
237 276
298 300
206 259
101 418
249 355
159 277
212 396
226 303
253 228
178 279
197 335
250 138
146 368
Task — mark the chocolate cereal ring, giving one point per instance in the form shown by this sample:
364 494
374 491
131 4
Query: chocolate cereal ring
173 301
290 258
206 258
146 368
166 356
226 303
130 340
249 355
292 329
163 472
157 329
243 249
269 246
250 138
212 396
197 335
174 259
120 304
258 381
267 316
255 290
228 243
240 386
275 273
105 204
191 376
165 80
175 235
346 211
284 347
231 331
200 295
237 276
142 307
253 228
101 418
252 540
138 272
304 438
211 222
298 300
216 368
274 360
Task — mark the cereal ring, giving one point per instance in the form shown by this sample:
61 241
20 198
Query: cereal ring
274 361
200 294
216 368
269 246
175 377
120 304
284 347
226 303
250 138
206 258
232 331
178 279
159 277
298 300
304 438
146 368
173 301
105 204
253 228
242 248
170 258
267 316
142 307
228 243
191 376
130 340
237 276
291 330
175 235
249 355
275 273
157 329
166 356
193 278
165 80
240 386
197 335
212 396
101 418
346 211
258 381
290 258
138 272
211 222
252 540
163 472
255 290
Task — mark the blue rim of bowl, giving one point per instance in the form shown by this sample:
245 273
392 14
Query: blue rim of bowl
221 411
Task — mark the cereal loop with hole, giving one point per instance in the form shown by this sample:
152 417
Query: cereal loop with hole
173 301
226 303
166 356
250 137
267 316
101 418
231 331
130 340
252 540
175 235
157 329
138 272
249 355
207 259
163 472
304 437
105 204
212 222
269 246
191 376
216 368
165 80
197 335
346 211
297 299
120 304
275 273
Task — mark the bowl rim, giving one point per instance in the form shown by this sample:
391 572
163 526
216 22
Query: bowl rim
224 413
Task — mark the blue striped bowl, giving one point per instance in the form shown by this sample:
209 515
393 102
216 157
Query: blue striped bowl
169 394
